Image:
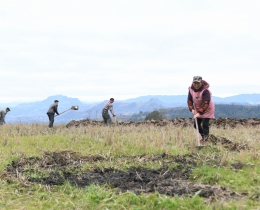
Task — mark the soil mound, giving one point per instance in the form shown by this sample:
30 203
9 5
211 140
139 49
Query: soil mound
84 122
55 168
184 122
53 160
228 144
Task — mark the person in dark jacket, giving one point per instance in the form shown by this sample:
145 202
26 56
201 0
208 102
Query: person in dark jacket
2 115
52 110
201 104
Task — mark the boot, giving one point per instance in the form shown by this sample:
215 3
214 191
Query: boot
206 137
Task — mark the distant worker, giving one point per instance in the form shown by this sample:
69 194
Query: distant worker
105 114
2 115
201 105
52 110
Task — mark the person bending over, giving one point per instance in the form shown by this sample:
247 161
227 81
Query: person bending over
2 115
105 114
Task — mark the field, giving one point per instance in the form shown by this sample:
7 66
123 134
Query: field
152 165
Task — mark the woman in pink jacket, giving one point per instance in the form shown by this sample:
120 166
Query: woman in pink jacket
201 105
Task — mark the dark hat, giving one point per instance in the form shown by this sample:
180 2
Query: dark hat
56 101
197 79
112 99
8 109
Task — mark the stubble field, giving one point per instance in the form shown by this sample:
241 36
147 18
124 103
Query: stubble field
153 165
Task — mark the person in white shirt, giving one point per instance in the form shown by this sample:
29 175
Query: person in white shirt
105 114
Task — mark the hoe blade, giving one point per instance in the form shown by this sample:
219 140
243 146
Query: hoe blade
74 107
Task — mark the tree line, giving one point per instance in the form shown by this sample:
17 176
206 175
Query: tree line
221 111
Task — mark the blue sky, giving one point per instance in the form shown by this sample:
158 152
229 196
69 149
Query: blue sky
94 50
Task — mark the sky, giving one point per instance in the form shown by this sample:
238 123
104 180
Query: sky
94 50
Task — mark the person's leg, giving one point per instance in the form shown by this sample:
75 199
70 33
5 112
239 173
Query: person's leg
51 118
205 125
199 120
1 122
104 115
109 121
105 120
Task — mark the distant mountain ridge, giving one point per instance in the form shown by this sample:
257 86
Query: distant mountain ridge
36 111
252 99
162 98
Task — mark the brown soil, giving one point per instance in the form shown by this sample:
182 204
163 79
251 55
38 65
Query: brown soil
228 144
59 167
219 123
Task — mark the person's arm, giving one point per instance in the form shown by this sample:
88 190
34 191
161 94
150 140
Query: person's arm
190 102
112 111
206 97
56 110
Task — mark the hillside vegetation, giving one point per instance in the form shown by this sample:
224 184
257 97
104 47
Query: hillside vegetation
221 111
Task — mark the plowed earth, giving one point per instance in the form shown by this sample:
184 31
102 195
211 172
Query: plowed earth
219 123
55 168
228 144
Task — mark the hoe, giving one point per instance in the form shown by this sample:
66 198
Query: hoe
71 108
198 134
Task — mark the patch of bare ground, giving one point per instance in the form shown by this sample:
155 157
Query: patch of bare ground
59 167
226 143
184 122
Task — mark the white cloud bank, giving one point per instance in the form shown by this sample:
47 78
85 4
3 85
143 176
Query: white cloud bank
94 50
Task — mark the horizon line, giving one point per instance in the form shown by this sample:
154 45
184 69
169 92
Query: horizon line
97 101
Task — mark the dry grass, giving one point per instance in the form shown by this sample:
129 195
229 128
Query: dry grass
114 143
129 140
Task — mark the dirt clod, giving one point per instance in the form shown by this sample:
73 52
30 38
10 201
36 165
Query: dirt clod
228 144
184 122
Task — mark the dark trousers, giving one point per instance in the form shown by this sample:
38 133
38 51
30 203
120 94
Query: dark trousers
106 117
51 119
203 124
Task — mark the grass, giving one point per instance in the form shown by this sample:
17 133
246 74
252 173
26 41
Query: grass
92 197
243 180
123 147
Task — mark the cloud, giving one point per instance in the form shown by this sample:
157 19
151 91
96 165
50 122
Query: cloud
95 49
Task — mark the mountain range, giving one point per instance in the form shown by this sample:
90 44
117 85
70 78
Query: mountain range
250 99
36 111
